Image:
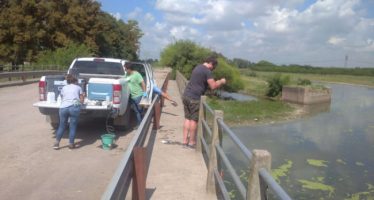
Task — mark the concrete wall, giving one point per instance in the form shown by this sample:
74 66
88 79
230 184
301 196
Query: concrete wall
305 95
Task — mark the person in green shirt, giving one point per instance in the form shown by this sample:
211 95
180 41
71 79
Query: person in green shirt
137 89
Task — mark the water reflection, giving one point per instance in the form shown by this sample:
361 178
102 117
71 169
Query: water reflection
340 135
236 96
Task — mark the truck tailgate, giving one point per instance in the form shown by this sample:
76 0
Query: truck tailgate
45 104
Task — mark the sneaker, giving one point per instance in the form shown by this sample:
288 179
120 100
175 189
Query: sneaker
191 146
56 146
71 146
185 146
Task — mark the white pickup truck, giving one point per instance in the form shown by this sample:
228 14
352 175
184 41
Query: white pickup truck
106 90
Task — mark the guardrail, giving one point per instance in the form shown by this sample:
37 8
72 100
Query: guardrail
209 140
30 67
18 78
133 166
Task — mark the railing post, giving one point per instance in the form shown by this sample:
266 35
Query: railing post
260 159
213 161
140 175
157 115
200 124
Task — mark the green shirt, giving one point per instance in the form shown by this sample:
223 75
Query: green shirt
135 84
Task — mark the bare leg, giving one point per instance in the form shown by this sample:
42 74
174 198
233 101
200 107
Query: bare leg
186 128
193 125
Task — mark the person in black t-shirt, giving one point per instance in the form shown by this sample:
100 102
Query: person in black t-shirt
201 79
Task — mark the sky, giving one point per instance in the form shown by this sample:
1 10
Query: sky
333 33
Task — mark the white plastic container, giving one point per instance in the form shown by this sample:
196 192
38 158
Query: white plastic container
51 97
59 100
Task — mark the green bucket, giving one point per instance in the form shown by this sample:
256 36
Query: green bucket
107 141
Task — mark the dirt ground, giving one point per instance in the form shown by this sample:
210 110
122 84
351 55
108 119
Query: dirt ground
31 169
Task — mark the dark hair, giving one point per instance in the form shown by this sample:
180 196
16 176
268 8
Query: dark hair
70 78
212 60
129 65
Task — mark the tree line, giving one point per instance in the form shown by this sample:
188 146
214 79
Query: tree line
264 65
30 29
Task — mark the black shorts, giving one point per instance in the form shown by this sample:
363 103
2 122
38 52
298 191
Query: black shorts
191 108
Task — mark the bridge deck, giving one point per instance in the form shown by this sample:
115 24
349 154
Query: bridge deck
31 169
175 172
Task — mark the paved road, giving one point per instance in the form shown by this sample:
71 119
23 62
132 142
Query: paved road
31 169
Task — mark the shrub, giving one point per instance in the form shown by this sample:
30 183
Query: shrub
252 74
63 56
276 83
184 55
232 75
303 82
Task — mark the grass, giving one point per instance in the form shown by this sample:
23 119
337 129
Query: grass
251 112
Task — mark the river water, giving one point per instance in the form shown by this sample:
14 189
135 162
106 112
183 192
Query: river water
327 155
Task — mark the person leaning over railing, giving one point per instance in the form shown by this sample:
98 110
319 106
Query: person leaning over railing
201 78
157 90
137 90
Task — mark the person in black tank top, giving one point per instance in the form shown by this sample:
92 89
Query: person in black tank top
201 79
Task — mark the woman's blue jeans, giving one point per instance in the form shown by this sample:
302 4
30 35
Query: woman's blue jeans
71 112
137 109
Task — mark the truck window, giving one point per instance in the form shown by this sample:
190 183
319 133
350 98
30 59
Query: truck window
139 68
92 67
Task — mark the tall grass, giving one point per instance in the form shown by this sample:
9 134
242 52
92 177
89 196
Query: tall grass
248 112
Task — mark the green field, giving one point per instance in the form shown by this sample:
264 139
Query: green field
259 81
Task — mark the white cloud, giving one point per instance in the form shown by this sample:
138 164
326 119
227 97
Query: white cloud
277 20
117 15
334 40
149 17
264 30
183 32
135 14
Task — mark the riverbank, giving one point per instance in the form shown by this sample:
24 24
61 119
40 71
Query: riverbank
264 111
261 111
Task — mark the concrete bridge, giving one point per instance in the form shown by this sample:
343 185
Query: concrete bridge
31 169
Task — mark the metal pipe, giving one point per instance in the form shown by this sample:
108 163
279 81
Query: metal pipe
236 140
273 185
231 170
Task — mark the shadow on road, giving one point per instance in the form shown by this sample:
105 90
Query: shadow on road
89 131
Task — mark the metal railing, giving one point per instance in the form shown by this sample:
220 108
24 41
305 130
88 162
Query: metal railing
23 77
133 165
209 141
30 67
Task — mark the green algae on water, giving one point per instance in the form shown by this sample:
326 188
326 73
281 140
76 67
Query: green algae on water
340 161
317 186
320 179
317 163
368 195
281 171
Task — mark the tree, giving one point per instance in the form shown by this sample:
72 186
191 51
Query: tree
184 55
29 27
241 63
63 56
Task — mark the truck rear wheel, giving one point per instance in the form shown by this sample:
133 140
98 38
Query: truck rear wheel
54 126
53 120
123 122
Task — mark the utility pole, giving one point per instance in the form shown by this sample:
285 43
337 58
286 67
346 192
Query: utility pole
346 61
